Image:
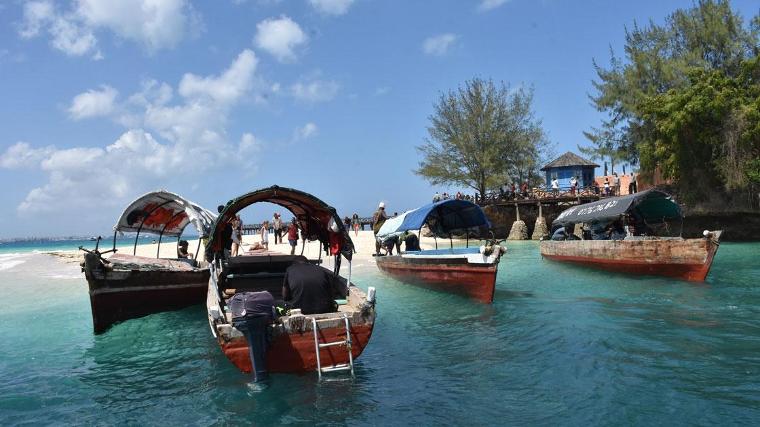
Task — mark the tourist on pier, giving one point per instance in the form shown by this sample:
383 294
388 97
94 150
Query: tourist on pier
378 219
524 189
293 236
555 187
573 185
606 186
596 187
632 185
356 223
617 183
277 225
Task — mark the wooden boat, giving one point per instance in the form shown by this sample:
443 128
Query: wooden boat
467 271
124 286
319 342
687 259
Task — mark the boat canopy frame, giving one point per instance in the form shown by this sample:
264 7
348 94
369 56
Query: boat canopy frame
651 206
442 218
316 219
163 213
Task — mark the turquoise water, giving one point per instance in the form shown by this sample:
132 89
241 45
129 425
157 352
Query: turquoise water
560 345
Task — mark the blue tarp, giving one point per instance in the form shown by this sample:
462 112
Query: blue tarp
442 218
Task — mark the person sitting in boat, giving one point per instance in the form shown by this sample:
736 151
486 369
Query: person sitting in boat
565 233
410 240
615 230
182 250
310 288
560 233
390 243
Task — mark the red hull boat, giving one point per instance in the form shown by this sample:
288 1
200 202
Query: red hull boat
466 271
448 273
321 342
687 259
292 347
622 236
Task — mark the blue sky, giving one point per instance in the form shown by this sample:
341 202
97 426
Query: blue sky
103 100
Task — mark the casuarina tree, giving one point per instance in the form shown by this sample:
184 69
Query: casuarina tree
481 135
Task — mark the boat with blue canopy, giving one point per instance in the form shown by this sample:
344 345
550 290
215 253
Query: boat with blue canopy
470 271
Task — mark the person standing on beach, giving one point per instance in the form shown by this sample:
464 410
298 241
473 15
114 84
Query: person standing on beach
226 235
264 233
277 224
355 223
293 236
378 219
236 236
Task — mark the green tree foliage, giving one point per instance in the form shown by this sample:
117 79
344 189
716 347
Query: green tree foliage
667 68
480 135
708 133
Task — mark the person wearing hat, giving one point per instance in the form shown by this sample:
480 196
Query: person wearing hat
378 219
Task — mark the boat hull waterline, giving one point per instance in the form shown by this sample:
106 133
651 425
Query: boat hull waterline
119 295
476 281
291 348
687 259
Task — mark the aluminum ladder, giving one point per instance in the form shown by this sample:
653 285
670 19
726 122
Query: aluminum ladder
318 346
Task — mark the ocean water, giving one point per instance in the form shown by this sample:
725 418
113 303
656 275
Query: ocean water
559 345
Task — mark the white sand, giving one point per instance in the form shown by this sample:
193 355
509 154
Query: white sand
364 243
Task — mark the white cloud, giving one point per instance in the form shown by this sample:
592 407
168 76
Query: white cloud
93 103
331 7
226 88
163 134
67 33
22 155
154 24
305 132
487 5
383 90
314 90
37 14
438 45
280 37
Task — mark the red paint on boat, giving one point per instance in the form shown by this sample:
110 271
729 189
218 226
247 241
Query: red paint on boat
295 352
476 281
687 259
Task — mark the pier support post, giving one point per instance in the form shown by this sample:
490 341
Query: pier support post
540 231
519 229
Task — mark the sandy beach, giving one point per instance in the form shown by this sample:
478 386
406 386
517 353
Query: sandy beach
364 242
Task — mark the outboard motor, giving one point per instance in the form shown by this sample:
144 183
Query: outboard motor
252 313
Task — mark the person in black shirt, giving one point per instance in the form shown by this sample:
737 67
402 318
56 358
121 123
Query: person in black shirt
310 288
